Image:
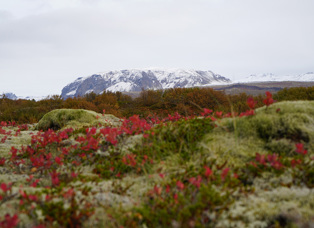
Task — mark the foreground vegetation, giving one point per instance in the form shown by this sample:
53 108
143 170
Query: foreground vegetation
216 169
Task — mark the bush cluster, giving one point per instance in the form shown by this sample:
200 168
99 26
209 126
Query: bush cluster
185 101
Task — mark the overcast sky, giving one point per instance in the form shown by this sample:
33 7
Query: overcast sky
46 44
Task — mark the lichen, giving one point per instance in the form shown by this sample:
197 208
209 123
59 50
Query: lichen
24 138
264 207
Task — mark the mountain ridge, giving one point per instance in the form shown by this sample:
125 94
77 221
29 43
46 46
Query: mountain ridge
134 80
138 79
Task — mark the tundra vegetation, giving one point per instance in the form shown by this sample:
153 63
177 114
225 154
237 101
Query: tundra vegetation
207 168
185 101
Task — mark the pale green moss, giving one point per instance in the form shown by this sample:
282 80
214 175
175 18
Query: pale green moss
75 118
275 129
15 141
264 207
281 146
224 145
290 120
126 145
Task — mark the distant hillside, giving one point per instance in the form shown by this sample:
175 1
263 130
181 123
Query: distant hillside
253 88
256 88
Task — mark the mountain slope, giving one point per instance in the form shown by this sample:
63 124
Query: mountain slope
136 80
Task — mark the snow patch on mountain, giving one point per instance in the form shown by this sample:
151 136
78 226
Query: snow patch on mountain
71 93
120 86
306 77
36 98
269 77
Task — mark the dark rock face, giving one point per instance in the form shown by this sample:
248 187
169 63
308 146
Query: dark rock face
136 80
94 83
147 81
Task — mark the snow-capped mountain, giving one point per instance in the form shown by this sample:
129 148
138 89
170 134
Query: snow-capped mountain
9 95
36 98
268 77
12 96
136 80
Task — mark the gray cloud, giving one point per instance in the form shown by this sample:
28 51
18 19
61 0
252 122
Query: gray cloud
48 44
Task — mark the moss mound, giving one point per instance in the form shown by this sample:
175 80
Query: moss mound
290 120
75 118
279 126
274 129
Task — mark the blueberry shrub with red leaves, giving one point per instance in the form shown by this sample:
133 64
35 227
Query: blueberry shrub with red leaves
269 99
9 221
